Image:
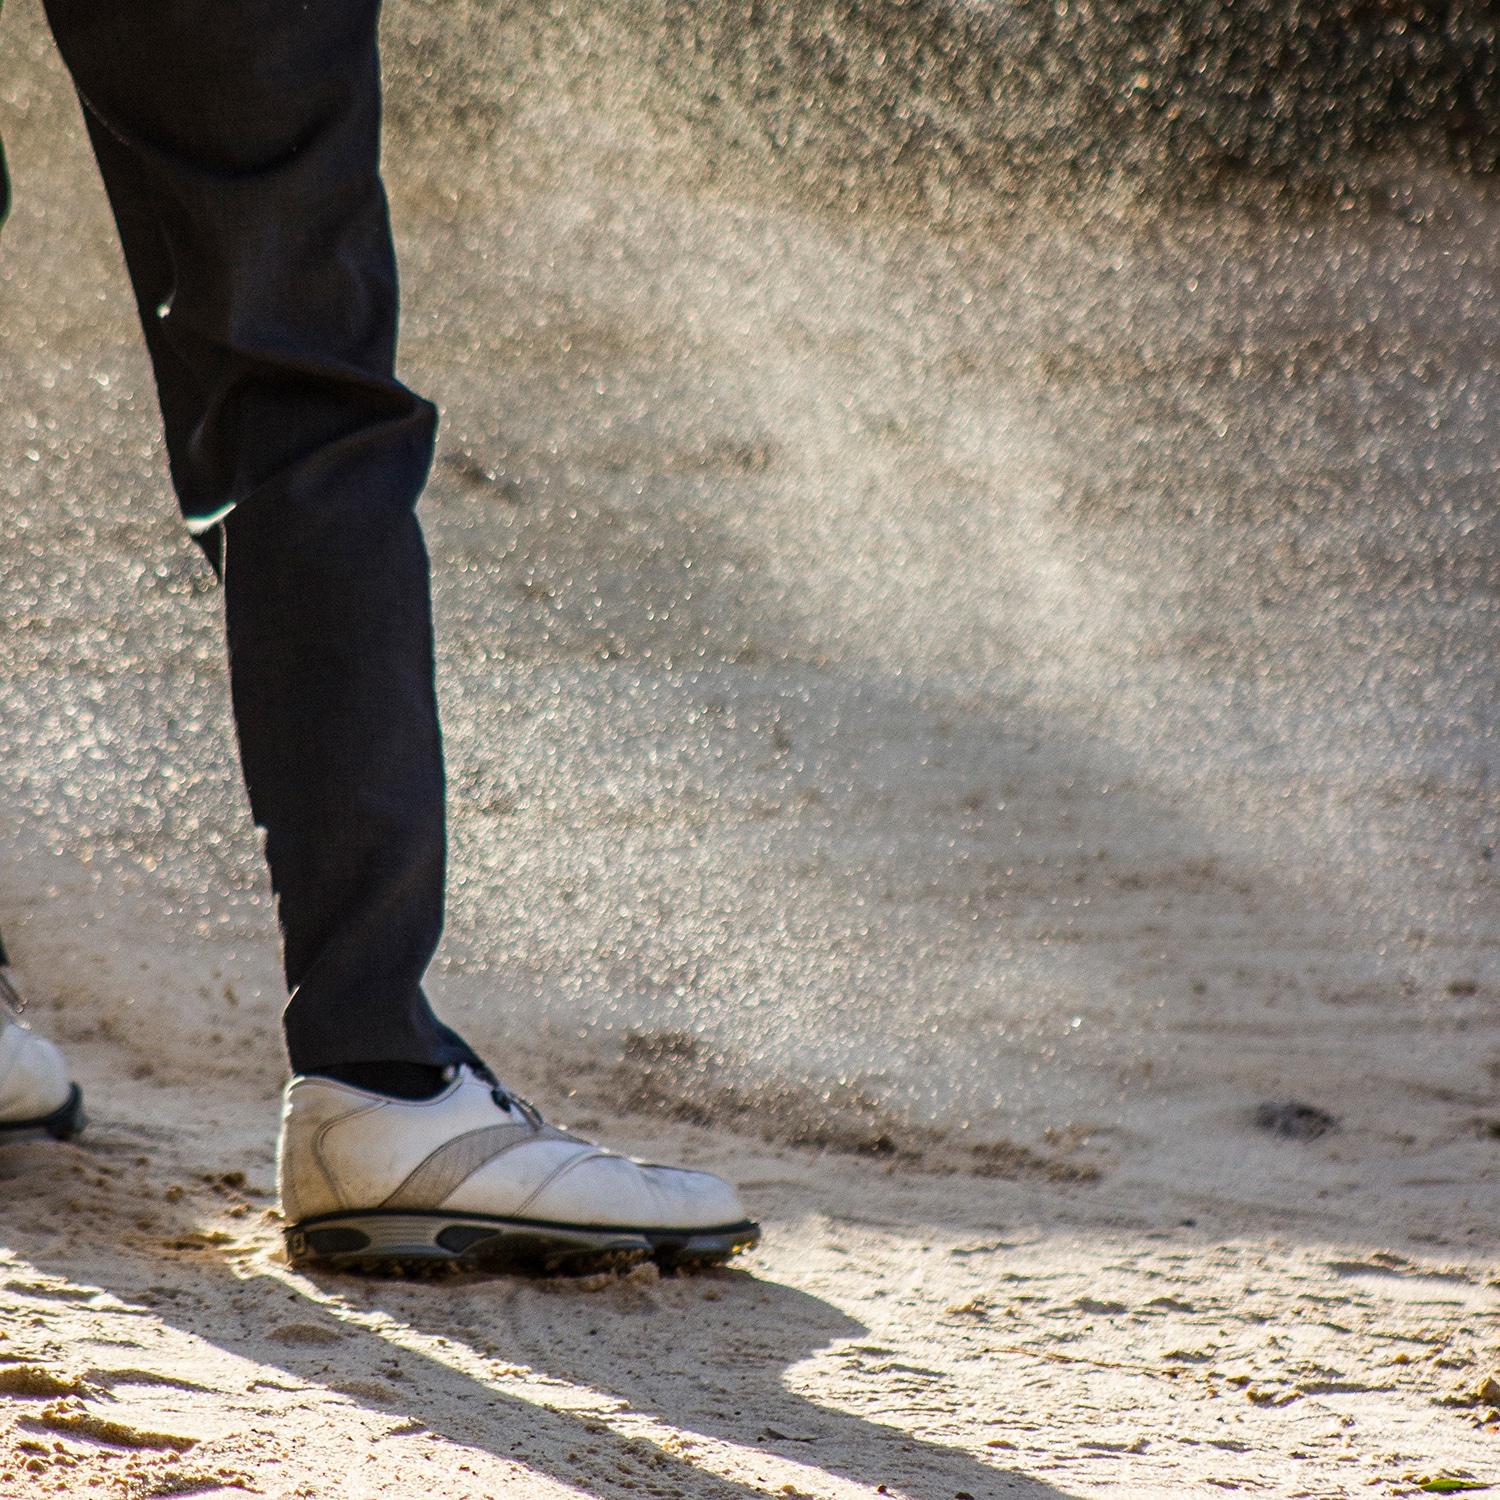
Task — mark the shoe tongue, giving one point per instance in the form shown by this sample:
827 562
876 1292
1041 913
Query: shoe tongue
469 1077
473 1078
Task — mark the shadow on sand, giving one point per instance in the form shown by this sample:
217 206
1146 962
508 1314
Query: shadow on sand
612 1365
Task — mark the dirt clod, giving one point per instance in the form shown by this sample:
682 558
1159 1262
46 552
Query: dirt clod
1296 1122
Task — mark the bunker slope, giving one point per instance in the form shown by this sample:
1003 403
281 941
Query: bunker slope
947 718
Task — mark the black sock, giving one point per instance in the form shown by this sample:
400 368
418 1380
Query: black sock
398 1080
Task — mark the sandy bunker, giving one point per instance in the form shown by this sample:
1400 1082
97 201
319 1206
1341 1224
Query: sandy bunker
948 713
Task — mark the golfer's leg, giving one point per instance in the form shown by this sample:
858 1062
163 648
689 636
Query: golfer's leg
238 140
330 643
239 144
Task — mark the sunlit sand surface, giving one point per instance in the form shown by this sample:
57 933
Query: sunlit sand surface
945 719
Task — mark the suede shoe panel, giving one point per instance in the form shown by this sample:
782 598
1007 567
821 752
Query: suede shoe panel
510 1184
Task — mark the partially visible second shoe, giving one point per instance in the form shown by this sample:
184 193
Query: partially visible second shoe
37 1098
475 1176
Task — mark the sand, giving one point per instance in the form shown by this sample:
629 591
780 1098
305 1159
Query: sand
945 722
897 1332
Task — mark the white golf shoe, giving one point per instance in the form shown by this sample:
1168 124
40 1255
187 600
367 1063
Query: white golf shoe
37 1098
475 1176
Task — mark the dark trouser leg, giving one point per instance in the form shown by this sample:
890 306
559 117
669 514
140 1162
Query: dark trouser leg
239 144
